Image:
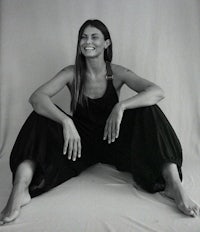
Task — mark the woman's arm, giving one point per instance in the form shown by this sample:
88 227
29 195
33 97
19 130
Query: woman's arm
42 104
41 98
148 93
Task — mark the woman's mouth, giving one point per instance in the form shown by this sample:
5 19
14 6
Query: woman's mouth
89 48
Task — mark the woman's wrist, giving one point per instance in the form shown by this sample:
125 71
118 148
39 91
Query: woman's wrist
121 106
66 120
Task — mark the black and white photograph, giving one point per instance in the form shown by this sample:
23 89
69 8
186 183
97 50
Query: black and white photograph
99 116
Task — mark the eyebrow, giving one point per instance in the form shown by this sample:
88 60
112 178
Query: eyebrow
91 34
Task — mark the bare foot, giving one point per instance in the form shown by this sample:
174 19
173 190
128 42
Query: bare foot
182 200
19 197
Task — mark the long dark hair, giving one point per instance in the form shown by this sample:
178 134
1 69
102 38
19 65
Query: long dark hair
80 63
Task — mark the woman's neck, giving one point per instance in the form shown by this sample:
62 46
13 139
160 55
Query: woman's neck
95 67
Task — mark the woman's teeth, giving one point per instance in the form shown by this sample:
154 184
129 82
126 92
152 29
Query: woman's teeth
89 48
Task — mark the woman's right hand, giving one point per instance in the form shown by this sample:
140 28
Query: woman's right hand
72 141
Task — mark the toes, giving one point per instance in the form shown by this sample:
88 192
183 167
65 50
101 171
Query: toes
186 210
189 212
192 213
196 210
1 219
12 217
1 223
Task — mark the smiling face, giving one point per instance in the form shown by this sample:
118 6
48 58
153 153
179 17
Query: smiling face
92 42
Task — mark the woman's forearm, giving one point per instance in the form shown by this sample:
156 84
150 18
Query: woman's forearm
152 95
43 105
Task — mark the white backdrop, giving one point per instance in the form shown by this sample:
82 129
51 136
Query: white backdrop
157 39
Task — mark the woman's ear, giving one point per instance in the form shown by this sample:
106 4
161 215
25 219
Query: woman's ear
107 43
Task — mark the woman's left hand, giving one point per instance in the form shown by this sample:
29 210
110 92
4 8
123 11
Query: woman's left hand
112 127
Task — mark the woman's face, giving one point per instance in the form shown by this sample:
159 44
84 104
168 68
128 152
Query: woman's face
92 43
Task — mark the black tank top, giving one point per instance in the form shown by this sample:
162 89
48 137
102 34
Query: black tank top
94 112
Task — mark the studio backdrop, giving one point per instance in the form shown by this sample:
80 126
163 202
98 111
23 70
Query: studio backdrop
158 39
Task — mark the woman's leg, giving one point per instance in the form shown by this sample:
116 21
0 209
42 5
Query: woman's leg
19 195
150 142
174 189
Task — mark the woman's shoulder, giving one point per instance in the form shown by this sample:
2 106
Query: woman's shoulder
119 69
121 72
118 73
69 69
69 72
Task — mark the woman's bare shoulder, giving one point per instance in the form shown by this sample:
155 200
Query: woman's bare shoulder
70 69
120 70
117 76
68 72
121 74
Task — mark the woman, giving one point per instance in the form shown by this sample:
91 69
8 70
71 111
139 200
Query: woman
133 134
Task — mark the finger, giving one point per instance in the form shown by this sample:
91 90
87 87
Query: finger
117 130
105 132
109 133
79 148
65 146
74 153
70 149
113 132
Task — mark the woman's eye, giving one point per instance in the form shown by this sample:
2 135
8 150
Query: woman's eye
83 37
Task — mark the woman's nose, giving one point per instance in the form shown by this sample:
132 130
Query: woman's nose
89 40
